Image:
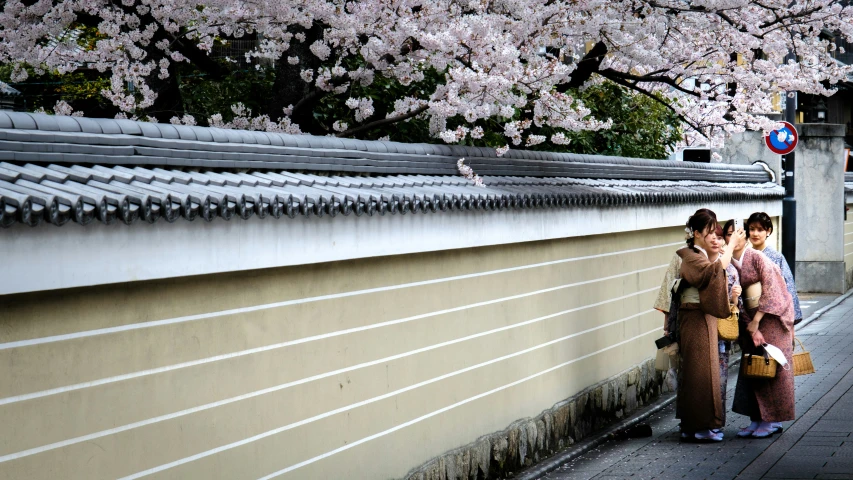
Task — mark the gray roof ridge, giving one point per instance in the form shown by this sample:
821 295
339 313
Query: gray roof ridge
198 145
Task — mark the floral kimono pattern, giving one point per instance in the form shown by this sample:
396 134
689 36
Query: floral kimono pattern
733 279
780 261
769 400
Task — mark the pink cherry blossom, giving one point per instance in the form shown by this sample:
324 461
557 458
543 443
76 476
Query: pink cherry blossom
716 63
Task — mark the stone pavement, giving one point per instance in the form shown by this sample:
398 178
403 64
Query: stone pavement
818 445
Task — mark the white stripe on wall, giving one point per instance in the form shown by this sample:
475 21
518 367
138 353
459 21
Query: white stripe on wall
226 356
375 399
142 423
190 318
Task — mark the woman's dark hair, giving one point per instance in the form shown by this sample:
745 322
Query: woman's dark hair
762 219
699 222
727 226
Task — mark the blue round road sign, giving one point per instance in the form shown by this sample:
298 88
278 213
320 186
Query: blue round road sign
783 140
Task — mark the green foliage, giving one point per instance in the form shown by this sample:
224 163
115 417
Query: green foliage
81 89
383 91
642 127
204 96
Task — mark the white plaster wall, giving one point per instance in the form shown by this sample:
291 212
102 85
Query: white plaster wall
48 258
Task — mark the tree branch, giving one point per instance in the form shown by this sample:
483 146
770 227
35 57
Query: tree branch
588 65
384 121
611 74
669 107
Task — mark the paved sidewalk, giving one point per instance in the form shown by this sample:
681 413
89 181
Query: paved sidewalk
819 444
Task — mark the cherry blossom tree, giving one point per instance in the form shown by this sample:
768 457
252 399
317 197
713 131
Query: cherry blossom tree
717 64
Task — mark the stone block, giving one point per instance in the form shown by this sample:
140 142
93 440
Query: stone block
452 464
820 130
521 452
432 471
631 404
551 434
598 397
481 459
512 451
457 465
532 436
645 375
821 277
633 376
465 458
500 450
541 435
613 395
562 421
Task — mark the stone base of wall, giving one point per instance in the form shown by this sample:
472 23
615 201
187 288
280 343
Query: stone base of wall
821 277
849 280
530 440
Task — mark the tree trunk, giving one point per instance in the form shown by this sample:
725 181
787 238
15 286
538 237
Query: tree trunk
169 102
289 87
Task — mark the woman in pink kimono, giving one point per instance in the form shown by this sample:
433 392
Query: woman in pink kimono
768 319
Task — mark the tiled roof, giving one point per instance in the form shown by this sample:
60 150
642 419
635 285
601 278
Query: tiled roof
56 169
6 90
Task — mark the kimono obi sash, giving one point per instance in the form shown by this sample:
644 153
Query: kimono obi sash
752 295
690 295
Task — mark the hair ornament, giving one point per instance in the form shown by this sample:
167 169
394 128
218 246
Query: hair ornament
688 233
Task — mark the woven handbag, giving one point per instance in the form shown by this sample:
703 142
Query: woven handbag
759 366
802 361
727 328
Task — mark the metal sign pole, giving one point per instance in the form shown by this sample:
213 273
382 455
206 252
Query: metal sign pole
789 203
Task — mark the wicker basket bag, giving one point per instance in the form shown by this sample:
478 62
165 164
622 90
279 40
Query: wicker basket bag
802 361
759 366
727 328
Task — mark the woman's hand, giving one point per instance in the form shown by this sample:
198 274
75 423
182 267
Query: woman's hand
758 338
739 235
738 239
736 291
752 326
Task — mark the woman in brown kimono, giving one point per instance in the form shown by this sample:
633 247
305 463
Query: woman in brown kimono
704 299
768 319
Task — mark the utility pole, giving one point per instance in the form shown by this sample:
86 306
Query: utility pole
789 203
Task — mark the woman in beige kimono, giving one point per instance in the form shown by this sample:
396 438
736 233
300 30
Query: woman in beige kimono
704 299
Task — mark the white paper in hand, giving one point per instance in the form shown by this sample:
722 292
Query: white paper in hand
776 354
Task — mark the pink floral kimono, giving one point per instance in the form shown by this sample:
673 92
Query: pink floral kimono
769 400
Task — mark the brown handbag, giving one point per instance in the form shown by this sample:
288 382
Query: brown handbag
759 366
802 361
727 328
